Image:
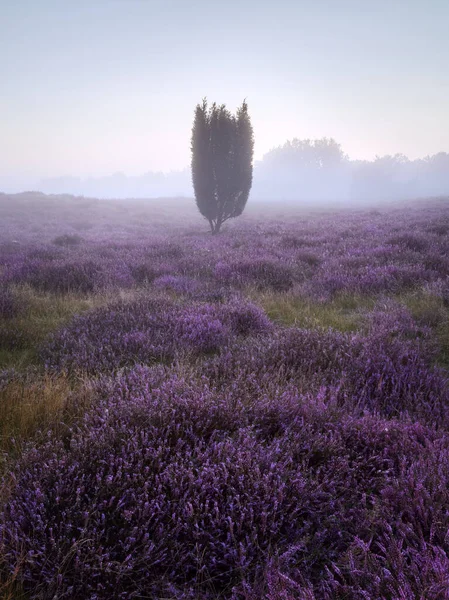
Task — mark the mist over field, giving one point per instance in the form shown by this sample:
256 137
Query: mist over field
315 171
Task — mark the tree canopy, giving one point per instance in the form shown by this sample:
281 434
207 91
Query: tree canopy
222 161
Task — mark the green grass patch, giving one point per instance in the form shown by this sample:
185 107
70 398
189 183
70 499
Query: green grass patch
426 309
429 310
443 342
343 313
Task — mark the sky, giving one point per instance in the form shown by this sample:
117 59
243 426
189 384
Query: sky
94 87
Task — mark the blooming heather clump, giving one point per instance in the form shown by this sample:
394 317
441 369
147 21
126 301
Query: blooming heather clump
201 329
261 273
246 318
166 485
80 271
386 377
301 355
148 331
68 239
176 283
410 241
112 337
64 277
208 327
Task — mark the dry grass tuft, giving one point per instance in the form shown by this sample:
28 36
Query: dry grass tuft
343 313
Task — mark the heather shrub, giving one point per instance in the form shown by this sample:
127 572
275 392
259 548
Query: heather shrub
366 280
389 320
245 318
293 241
144 273
208 327
176 283
437 262
85 273
59 277
113 336
44 254
212 294
392 379
6 377
410 241
167 485
311 259
258 272
438 228
11 338
166 250
201 329
386 376
147 331
68 240
299 355
439 289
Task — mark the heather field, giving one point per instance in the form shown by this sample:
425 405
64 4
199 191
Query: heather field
259 414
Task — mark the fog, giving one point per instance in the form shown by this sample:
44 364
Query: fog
316 171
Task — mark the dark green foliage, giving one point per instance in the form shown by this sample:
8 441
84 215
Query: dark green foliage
222 157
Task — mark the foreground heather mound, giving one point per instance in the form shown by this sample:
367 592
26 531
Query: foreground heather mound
168 488
147 331
387 377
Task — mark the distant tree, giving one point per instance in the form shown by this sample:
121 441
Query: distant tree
222 162
304 169
320 154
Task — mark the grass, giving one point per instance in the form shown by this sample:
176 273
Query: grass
343 313
443 341
430 310
346 313
426 309
26 407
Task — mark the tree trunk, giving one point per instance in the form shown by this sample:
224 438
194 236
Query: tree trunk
216 229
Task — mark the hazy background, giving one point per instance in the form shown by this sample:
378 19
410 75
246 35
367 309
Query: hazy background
98 95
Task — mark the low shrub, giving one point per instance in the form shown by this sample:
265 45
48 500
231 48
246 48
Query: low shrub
169 487
147 331
68 240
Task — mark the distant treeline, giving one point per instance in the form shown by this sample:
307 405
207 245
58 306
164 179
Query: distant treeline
319 169
299 170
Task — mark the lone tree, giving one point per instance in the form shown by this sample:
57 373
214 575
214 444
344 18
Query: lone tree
222 162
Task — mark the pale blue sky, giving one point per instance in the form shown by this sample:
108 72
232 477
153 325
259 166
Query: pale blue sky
90 87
